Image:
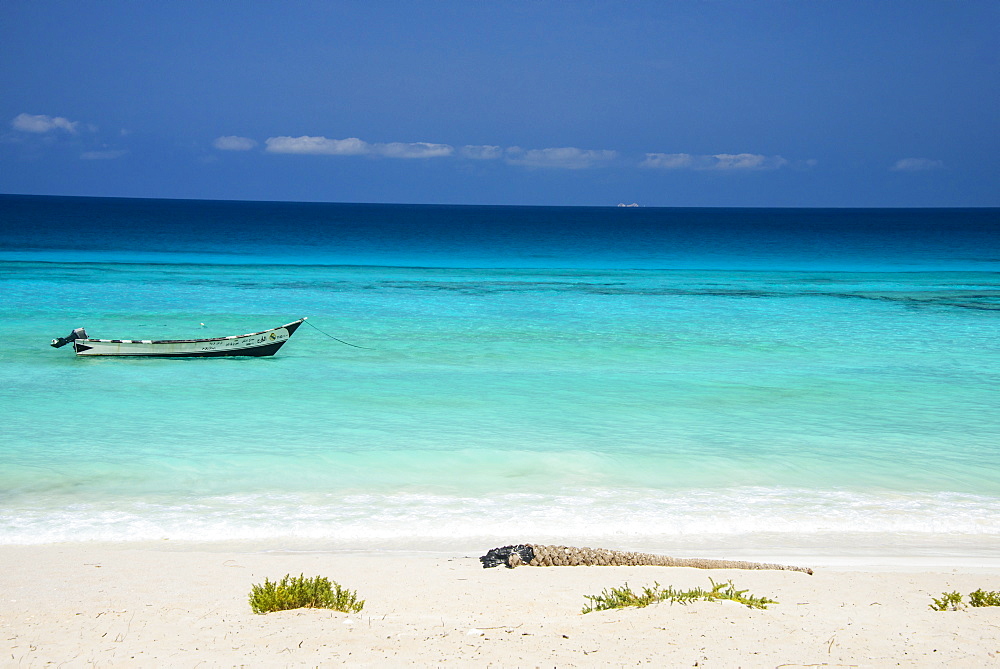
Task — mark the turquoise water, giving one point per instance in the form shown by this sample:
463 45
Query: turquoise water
643 407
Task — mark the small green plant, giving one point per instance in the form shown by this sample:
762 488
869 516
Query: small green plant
983 598
952 601
949 601
302 592
619 598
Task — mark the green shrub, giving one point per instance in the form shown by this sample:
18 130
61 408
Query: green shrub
618 598
983 598
949 601
952 601
302 592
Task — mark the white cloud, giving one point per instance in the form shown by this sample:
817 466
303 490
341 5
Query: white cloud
234 143
719 161
669 161
747 161
567 157
414 150
41 123
109 154
352 146
481 151
916 165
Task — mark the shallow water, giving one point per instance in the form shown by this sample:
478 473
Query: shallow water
774 390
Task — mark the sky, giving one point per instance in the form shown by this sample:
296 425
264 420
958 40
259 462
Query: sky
693 103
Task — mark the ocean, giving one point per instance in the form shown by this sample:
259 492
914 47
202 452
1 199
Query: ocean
711 381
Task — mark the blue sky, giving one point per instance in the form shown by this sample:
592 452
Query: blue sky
668 103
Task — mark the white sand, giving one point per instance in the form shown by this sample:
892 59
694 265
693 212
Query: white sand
182 606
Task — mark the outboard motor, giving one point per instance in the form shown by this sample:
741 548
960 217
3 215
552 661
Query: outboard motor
78 333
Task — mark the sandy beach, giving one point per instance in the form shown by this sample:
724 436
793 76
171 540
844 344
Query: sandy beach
186 605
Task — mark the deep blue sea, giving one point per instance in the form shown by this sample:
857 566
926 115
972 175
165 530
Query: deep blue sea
693 380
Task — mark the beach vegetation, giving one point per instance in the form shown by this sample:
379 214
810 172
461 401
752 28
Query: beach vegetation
952 601
301 592
984 598
949 601
619 598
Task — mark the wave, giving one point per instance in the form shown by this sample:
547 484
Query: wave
638 517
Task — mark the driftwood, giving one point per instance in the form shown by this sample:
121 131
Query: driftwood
568 556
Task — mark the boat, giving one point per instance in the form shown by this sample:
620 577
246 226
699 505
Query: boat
266 342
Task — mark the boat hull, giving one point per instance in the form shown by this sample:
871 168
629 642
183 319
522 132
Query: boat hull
254 344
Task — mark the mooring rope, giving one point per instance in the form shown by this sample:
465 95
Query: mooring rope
335 339
570 556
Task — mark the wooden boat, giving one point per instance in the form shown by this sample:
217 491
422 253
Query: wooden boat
262 343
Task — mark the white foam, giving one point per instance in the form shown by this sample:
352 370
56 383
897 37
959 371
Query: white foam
637 517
